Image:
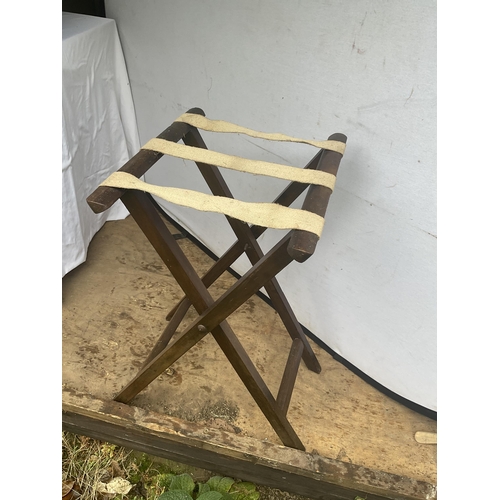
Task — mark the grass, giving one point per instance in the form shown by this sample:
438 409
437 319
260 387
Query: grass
90 466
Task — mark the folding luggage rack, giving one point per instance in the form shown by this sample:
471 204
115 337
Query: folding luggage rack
248 221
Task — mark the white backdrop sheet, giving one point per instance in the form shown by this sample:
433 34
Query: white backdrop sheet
99 128
309 69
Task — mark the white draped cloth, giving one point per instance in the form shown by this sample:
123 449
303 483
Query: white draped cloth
99 128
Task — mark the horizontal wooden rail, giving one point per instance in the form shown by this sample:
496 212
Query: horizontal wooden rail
303 243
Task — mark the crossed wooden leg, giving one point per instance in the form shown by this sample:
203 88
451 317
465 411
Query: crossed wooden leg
212 318
247 242
298 245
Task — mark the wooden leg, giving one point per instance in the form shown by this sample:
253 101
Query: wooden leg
249 375
212 314
169 331
286 198
290 375
220 266
219 187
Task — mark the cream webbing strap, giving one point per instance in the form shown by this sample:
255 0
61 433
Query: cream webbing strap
260 214
241 164
205 123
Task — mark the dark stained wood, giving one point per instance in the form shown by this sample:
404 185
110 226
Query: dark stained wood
220 266
212 314
303 243
237 456
274 261
286 198
290 375
253 381
169 331
219 187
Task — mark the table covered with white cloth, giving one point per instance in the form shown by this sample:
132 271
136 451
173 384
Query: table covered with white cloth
99 128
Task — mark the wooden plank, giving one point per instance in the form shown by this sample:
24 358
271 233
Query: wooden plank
233 455
107 315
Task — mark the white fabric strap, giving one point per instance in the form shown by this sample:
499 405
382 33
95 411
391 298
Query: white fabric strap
261 214
205 123
258 167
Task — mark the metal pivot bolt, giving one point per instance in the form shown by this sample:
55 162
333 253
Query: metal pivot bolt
202 329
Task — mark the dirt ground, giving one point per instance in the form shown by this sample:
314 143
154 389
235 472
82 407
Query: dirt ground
114 308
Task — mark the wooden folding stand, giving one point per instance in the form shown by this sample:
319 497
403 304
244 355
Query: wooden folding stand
298 245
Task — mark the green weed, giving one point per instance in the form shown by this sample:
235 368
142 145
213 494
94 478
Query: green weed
96 470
